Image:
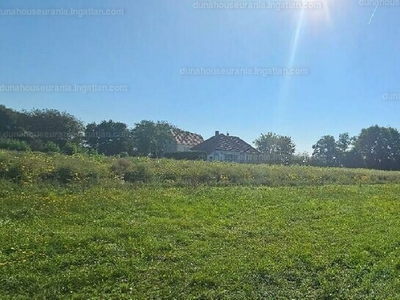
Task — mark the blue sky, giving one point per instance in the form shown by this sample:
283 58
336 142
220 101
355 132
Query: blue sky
352 62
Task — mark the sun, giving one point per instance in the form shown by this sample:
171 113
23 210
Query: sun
314 13
317 11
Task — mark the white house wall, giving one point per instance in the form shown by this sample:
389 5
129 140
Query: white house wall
174 147
182 148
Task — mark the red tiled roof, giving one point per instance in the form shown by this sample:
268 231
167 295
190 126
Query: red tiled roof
187 138
222 142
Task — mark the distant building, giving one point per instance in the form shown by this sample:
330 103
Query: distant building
223 147
183 141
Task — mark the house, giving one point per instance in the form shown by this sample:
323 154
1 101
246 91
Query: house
223 147
183 141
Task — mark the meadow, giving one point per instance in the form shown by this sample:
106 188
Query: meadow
80 227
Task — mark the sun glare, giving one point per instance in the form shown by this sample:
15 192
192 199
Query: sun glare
317 11
314 13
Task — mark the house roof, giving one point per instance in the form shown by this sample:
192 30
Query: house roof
187 138
222 142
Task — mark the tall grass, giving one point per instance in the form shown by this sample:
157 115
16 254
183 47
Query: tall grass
32 168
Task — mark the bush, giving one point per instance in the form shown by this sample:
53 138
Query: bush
121 166
139 174
16 173
51 147
70 149
93 152
124 154
63 174
14 145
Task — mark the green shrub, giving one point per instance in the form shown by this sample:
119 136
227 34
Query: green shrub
14 145
70 149
16 173
93 152
64 174
124 154
51 147
121 166
139 174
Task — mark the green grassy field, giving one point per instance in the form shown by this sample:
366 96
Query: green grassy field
205 243
109 240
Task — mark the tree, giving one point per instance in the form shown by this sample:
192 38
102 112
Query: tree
302 159
50 125
346 155
10 123
344 142
353 159
150 138
281 148
379 147
109 137
325 151
92 136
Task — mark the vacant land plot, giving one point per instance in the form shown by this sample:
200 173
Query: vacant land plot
104 242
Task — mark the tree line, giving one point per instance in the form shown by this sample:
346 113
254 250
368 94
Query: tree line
374 148
50 130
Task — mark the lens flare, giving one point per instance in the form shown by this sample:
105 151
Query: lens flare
313 13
